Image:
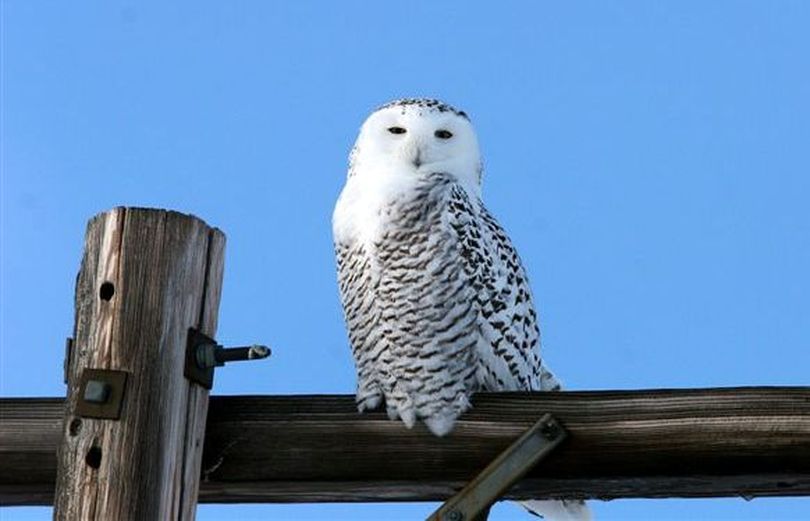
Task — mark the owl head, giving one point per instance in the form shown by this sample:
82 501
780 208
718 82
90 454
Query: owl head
414 137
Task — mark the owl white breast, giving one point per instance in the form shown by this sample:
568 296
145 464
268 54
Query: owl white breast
435 297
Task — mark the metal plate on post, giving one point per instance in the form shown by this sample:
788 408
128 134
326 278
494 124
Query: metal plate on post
68 359
101 393
192 370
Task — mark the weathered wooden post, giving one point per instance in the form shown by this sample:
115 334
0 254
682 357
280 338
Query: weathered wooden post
134 426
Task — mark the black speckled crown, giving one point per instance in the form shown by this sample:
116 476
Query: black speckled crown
432 105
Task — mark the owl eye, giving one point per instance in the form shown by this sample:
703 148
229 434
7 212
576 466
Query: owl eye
443 134
396 130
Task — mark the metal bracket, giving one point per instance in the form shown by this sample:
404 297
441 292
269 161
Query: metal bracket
201 375
203 354
68 359
101 393
473 502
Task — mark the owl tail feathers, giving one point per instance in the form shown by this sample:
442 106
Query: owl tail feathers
564 510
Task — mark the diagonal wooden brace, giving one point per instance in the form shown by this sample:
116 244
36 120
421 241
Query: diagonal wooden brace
473 502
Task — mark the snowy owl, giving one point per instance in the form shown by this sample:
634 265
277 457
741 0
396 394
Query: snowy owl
435 297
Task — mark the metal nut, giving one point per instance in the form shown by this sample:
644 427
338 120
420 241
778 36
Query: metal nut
454 515
97 391
550 431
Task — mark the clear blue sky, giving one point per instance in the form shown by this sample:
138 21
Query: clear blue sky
650 160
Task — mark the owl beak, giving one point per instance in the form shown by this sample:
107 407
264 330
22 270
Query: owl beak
417 161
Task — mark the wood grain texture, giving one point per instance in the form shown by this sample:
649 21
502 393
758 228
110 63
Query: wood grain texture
747 442
30 430
163 274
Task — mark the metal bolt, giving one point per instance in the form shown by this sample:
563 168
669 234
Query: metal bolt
205 357
235 354
97 391
454 515
550 431
213 355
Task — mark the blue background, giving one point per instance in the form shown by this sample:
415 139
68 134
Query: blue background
650 161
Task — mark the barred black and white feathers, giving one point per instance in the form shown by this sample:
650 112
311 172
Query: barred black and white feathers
436 300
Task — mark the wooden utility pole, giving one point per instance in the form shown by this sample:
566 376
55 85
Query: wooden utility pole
133 429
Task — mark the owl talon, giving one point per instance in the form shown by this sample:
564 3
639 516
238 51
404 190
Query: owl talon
369 402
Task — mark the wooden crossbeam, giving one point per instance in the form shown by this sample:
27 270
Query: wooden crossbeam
746 442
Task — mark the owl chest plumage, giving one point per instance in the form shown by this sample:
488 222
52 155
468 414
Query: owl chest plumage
436 303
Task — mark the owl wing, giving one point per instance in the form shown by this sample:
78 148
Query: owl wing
356 281
509 342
